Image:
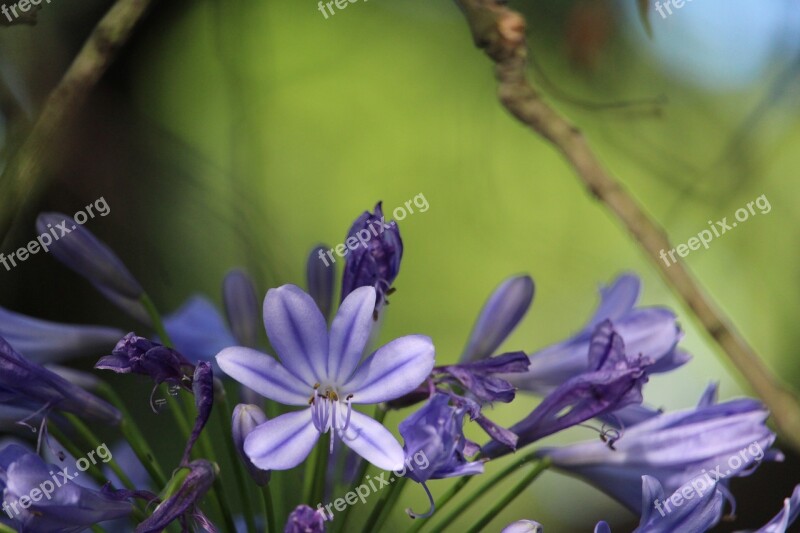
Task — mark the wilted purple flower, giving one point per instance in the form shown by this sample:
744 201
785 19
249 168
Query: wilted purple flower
436 431
241 308
181 505
710 442
500 315
649 331
523 526
138 355
203 391
28 385
375 261
43 341
246 417
304 519
481 379
320 278
33 502
198 331
323 370
787 516
78 249
687 509
613 381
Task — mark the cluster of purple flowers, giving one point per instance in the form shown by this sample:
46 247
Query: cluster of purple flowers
320 389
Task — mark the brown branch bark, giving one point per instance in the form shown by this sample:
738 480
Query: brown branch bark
500 32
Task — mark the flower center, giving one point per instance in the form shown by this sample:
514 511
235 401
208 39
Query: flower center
326 405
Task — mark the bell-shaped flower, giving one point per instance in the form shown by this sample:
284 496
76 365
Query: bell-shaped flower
78 249
501 313
436 432
692 507
649 331
710 443
614 380
373 260
304 519
241 308
43 341
320 278
322 372
246 418
26 384
37 501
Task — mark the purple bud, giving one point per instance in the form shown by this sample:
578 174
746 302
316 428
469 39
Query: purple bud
304 519
203 389
246 417
242 308
320 276
523 526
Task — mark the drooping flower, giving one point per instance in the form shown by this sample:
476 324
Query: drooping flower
203 391
185 490
322 371
480 378
304 519
649 331
246 418
614 380
501 313
692 507
27 385
65 507
715 442
375 259
320 278
43 341
241 308
785 518
78 249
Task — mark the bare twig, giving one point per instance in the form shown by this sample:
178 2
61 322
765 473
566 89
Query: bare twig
500 32
26 171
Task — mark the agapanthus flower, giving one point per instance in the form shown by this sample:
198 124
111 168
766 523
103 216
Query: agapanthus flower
78 249
320 279
198 330
785 518
614 380
241 307
649 331
27 385
523 526
322 371
304 519
699 509
203 392
64 508
714 442
374 259
246 418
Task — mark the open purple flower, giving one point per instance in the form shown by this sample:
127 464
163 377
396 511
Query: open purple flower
322 371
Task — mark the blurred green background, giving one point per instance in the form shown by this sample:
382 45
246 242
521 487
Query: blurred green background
244 133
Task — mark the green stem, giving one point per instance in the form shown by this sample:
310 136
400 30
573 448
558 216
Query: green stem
94 470
382 508
269 510
158 324
92 439
501 504
7 529
236 462
449 495
316 485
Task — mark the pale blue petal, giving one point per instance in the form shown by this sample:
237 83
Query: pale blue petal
283 442
393 370
350 332
264 375
523 526
617 299
198 330
369 439
298 332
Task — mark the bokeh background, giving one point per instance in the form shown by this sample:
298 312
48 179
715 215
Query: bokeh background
242 133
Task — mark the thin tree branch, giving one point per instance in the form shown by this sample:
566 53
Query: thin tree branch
26 172
500 32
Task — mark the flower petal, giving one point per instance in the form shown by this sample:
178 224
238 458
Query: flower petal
198 330
350 332
617 299
298 332
283 442
393 370
264 375
369 439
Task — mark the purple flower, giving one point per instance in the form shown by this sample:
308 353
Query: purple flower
436 432
787 516
198 330
373 260
613 381
30 386
36 501
241 308
649 331
203 391
320 278
710 443
48 342
500 315
138 355
246 418
523 526
78 249
692 507
480 377
322 372
304 519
